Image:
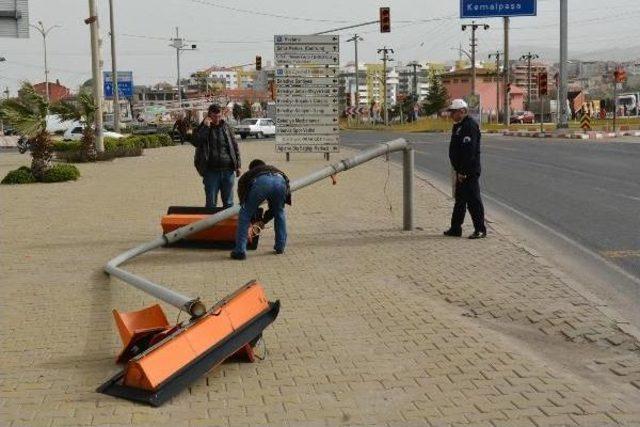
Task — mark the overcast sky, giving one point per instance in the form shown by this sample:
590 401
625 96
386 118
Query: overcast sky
233 32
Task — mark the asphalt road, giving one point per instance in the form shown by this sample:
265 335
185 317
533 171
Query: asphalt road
586 191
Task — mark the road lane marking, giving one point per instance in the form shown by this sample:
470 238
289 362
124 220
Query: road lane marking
621 254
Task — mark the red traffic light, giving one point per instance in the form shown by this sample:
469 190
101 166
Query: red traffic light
258 62
385 20
543 84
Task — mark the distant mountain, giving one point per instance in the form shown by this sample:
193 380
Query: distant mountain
553 54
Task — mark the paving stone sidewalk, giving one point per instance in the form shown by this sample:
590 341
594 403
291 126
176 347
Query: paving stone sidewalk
377 327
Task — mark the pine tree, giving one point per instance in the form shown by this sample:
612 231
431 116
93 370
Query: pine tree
437 95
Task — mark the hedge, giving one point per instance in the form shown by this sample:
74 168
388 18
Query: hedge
60 173
22 175
57 173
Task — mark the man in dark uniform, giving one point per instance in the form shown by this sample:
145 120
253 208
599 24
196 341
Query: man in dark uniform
464 154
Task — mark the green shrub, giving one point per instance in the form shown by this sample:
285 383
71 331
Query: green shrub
165 140
60 173
22 175
64 146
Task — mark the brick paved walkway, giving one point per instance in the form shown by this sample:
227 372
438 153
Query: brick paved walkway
377 327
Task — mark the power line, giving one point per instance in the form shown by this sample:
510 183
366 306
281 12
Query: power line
271 15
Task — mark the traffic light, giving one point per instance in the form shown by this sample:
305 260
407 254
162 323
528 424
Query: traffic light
385 20
620 75
258 62
543 85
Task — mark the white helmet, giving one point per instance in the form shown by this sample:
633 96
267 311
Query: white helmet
458 104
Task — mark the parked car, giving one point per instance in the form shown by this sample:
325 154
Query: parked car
260 128
74 133
522 117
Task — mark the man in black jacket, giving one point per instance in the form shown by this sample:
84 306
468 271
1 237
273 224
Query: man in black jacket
464 154
217 158
262 183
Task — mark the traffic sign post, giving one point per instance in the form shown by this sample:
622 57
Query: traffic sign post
497 8
125 84
307 96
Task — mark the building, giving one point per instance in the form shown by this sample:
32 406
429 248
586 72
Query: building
233 78
488 86
520 77
57 91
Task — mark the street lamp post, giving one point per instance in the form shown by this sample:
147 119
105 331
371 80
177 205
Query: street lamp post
44 32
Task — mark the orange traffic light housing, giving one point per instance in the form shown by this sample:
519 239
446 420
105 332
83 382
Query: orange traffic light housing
543 84
385 20
258 62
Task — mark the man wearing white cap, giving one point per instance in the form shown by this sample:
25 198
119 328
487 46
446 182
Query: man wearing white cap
464 154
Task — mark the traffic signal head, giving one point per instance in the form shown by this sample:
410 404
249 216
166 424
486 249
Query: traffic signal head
620 75
258 62
385 20
543 85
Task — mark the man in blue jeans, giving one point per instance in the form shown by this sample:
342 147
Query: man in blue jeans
217 158
262 183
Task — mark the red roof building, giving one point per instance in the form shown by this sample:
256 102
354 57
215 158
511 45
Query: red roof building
56 90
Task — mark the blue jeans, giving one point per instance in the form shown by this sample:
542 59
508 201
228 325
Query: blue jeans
218 181
273 189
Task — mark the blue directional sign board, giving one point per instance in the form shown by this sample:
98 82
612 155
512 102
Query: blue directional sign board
497 8
125 84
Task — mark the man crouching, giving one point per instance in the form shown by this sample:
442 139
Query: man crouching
262 183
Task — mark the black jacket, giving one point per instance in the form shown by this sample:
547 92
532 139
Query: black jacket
204 139
246 181
464 148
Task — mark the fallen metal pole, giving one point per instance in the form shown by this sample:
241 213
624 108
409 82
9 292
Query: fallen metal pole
194 306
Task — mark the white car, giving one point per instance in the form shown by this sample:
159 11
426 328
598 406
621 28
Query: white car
74 133
260 128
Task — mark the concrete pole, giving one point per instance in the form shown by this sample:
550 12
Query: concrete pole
96 73
178 46
473 58
384 85
564 57
506 71
355 42
529 81
46 68
497 55
114 72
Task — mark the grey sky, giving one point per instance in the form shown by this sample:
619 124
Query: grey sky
422 30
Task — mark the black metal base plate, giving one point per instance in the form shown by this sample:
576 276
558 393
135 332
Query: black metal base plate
181 379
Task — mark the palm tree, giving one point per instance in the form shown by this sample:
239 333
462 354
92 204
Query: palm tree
84 111
28 115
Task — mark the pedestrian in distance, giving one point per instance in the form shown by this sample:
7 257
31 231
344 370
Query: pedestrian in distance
262 183
217 158
181 125
464 154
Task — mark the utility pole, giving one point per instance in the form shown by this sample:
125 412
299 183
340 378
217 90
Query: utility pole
355 40
44 32
474 27
528 57
114 73
179 46
506 70
385 51
564 57
497 55
96 72
415 66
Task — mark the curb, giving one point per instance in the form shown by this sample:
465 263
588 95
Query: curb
571 135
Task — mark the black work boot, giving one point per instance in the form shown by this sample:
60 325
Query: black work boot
478 235
453 233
